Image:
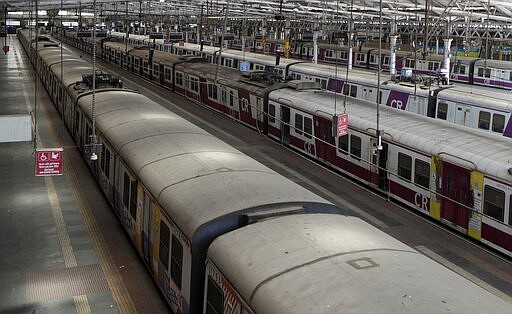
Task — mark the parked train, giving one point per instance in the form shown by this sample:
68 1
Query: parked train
472 71
306 127
473 106
222 233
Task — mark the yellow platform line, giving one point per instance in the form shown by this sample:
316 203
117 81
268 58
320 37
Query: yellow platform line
114 280
62 232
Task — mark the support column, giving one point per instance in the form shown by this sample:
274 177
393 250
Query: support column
350 44
446 63
392 42
392 57
315 47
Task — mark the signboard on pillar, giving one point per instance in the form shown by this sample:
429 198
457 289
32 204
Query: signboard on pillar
49 162
342 124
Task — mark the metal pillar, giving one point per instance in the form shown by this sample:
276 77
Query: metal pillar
446 62
315 47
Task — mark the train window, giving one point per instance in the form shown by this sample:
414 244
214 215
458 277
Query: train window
433 66
421 173
298 123
510 78
346 89
176 261
484 72
179 78
145 66
163 252
404 166
102 159
231 99
372 59
133 199
353 91
167 74
212 91
328 53
107 162
494 202
156 68
343 55
223 95
409 63
360 57
194 84
355 147
442 110
271 113
308 127
386 60
126 190
77 122
484 120
510 211
460 69
498 123
350 90
214 298
343 144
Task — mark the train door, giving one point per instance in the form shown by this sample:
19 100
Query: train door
285 125
456 192
147 230
383 167
323 130
471 71
462 114
379 165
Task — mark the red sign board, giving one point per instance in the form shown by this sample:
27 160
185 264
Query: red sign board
49 162
343 124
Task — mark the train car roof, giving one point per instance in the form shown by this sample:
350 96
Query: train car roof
487 97
320 263
467 147
229 77
118 45
193 175
500 64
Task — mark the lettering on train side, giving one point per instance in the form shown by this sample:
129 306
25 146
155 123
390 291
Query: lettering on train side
245 105
421 201
397 103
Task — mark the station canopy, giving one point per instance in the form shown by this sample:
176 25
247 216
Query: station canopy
498 11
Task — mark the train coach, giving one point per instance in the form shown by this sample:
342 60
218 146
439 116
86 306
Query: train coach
208 220
460 176
329 264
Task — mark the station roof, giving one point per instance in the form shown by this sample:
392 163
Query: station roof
495 10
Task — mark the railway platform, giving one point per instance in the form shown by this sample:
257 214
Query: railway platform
63 249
